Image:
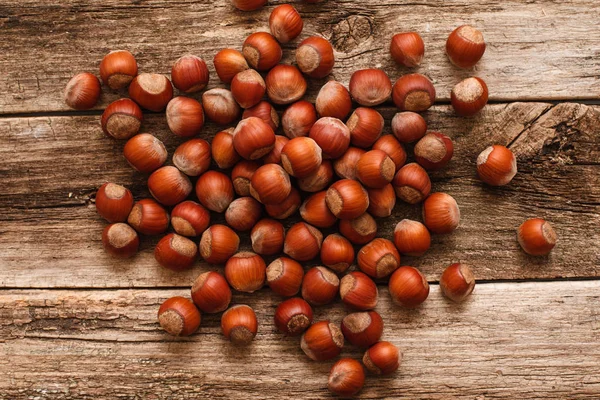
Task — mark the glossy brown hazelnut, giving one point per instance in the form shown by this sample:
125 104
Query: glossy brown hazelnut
220 106
370 87
241 175
332 136
228 63
270 184
407 49
441 213
293 316
114 202
118 68
122 119
408 287
314 57
82 91
434 151
375 169
178 316
337 253
274 156
302 242
185 116
148 217
248 5
151 91
465 46
285 84
320 286
408 126
211 293
457 282
393 148
378 258
413 92
284 276
243 213
412 183
193 157
365 125
169 186
358 291
359 230
287 207
322 341
190 218
345 166
536 237
319 179
267 237
189 74
496 165
222 149
215 191
248 88
347 199
314 210
469 96
346 378
362 329
145 153
383 358
120 240
264 111
218 243
239 324
411 237
301 157
381 201
246 271
176 252
253 138
285 23
261 50
298 118
333 100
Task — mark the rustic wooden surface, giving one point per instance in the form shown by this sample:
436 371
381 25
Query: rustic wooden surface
75 324
50 209
538 50
510 341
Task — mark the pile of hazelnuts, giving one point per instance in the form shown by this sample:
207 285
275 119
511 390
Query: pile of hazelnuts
274 173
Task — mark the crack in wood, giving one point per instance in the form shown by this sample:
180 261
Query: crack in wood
529 125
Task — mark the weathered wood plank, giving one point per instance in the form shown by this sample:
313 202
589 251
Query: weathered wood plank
51 234
525 341
537 50
51 167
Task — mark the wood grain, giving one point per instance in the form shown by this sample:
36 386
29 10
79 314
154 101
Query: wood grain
52 167
525 341
76 324
537 50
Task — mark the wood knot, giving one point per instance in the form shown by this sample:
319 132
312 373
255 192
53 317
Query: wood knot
349 33
561 148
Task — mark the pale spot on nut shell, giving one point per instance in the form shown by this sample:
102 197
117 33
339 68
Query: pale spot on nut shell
468 90
471 34
152 83
172 322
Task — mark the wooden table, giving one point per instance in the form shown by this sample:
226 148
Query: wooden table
76 324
